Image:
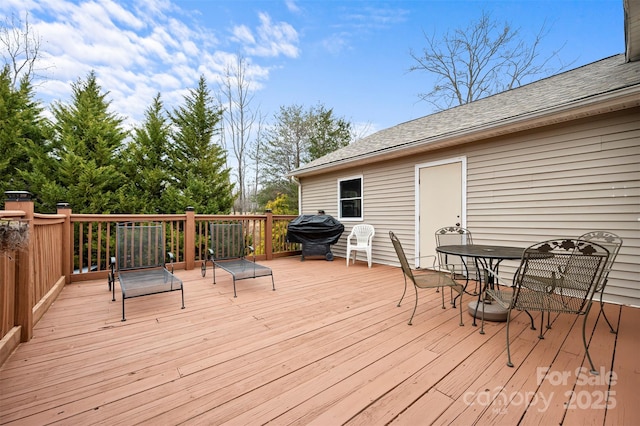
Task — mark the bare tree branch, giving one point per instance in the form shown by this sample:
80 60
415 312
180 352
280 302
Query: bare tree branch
483 59
239 119
20 48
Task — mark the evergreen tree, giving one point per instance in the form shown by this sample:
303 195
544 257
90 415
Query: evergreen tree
24 136
202 179
89 138
145 166
327 133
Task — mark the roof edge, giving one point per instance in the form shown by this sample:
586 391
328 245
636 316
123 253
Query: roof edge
617 100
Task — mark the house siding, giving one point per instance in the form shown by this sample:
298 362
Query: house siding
562 180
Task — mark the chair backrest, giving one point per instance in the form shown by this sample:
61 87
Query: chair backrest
401 256
567 268
139 246
227 240
611 242
364 233
453 235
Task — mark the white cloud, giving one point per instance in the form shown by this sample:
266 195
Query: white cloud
292 6
242 34
274 39
141 48
336 43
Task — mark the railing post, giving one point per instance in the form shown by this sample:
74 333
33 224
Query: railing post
190 239
268 235
67 256
21 200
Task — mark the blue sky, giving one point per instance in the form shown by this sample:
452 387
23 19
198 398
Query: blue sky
351 56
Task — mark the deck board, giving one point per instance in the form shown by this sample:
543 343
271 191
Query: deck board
329 346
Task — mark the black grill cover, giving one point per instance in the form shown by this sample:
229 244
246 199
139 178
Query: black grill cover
314 229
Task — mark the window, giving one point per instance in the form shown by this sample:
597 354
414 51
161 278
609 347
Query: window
350 198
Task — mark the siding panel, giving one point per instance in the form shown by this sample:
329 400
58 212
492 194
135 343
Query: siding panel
559 181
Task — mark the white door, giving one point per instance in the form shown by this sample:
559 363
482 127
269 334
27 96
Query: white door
441 189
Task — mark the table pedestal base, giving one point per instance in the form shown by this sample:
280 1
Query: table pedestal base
492 312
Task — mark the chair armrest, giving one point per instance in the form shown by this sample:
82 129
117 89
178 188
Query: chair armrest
435 266
171 258
447 267
429 256
253 252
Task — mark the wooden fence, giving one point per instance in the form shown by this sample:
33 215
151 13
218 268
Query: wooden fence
66 247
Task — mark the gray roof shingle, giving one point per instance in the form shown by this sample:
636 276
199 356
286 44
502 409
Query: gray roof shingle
520 104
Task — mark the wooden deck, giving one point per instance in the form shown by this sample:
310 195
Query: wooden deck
328 347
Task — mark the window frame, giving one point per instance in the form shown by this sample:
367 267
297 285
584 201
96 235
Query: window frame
361 198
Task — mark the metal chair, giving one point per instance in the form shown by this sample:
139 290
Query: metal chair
363 235
558 276
228 251
454 235
426 278
139 263
613 243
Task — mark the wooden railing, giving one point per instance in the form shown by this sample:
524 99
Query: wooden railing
186 236
67 247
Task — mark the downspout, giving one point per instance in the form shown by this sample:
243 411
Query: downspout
297 181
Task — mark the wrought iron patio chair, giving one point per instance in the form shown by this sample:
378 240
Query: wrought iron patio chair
229 250
140 263
425 278
613 243
363 235
559 276
456 235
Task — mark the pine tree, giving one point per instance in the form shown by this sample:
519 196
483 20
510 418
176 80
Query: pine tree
145 164
202 179
327 132
24 137
89 139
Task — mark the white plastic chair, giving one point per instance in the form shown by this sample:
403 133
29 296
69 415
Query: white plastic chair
363 241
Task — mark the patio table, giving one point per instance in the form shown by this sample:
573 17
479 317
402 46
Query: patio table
485 257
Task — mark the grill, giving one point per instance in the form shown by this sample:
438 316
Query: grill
316 233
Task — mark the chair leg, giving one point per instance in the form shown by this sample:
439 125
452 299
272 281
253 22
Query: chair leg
348 253
533 326
584 340
453 301
405 290
540 336
414 307
461 290
476 313
509 363
611 329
